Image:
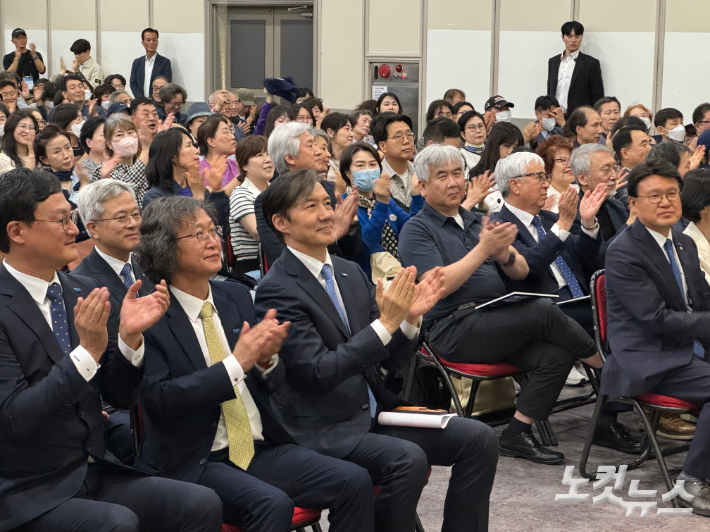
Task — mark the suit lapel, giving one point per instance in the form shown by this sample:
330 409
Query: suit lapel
578 66
525 235
113 282
689 266
147 287
348 295
181 327
228 315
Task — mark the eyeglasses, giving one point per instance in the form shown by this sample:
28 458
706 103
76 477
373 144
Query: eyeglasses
606 170
121 220
655 199
67 222
474 127
399 137
204 237
118 86
541 176
25 127
563 160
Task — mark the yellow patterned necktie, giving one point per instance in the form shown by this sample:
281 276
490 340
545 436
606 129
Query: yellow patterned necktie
241 443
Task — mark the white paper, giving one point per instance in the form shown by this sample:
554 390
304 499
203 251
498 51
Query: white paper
425 421
378 90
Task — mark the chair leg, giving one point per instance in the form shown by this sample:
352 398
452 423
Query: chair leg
316 527
418 527
651 425
544 436
454 395
410 377
472 397
550 433
601 400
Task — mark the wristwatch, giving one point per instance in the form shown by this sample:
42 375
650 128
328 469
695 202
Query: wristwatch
596 224
510 261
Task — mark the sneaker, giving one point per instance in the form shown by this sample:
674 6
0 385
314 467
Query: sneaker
575 378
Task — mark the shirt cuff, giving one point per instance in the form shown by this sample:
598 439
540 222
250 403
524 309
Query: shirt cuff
264 372
560 233
409 330
381 331
234 370
134 357
84 362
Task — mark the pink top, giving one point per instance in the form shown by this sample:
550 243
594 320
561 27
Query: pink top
230 173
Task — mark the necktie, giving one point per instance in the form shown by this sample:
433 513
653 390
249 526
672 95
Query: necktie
60 326
327 274
241 442
698 348
561 264
126 275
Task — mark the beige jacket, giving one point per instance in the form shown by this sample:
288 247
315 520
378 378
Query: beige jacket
703 248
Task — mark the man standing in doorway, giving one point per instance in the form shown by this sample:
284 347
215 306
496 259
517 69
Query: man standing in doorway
146 68
574 78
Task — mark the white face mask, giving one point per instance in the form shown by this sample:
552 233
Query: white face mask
646 121
106 104
677 133
2 130
49 105
87 94
504 116
548 124
76 129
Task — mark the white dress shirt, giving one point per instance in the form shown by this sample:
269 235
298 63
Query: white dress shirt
315 267
564 78
661 240
116 264
526 218
149 64
401 184
192 307
84 362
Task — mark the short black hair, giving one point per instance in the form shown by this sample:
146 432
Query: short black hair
335 121
667 151
80 46
578 118
71 77
149 30
111 77
624 138
276 112
304 92
312 103
44 137
696 193
605 100
164 150
700 111
296 107
347 157
140 100
378 128
440 129
8 83
459 105
21 190
468 115
435 106
573 25
662 116
88 130
543 103
285 192
208 130
64 114
628 121
649 168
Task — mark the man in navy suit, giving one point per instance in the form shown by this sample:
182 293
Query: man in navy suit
55 367
110 213
658 314
209 372
149 66
342 331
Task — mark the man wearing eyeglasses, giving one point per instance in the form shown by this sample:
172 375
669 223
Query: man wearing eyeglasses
701 117
658 314
394 137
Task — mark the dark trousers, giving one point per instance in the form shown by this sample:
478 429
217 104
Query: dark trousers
262 498
117 501
398 460
534 336
692 383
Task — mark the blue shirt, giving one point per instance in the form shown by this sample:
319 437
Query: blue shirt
431 239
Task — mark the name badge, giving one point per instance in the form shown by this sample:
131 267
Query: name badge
393 217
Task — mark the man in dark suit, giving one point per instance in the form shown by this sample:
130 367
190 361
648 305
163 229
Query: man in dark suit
110 213
342 331
55 367
559 262
658 314
149 66
209 372
574 78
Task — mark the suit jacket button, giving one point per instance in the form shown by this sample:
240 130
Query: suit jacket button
214 424
203 461
81 413
87 448
365 406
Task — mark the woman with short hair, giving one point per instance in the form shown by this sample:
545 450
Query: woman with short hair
339 129
556 151
94 145
695 198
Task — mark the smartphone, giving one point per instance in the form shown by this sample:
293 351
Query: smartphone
30 82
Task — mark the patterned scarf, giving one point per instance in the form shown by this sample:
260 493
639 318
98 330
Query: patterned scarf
478 150
389 238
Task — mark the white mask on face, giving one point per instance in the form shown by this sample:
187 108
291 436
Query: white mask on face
677 133
87 94
49 105
106 104
548 124
646 121
76 129
504 116
2 130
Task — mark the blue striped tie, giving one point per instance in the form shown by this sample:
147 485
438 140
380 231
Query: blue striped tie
561 264
126 274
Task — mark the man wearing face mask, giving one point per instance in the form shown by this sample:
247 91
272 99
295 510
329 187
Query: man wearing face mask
669 123
497 109
549 120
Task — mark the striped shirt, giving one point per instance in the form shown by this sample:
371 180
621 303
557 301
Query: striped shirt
133 175
241 203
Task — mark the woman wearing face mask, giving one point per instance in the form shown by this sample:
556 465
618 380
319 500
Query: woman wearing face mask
53 151
556 152
473 133
69 118
256 172
216 143
4 113
103 93
340 131
93 143
17 150
641 111
124 161
381 219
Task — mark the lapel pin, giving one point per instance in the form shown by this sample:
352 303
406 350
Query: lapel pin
77 290
236 331
344 274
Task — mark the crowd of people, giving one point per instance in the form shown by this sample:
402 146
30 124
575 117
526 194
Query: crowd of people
197 309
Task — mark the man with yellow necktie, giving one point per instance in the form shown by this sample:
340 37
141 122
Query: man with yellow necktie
209 372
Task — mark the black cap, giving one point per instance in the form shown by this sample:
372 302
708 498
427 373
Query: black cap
117 107
18 31
498 102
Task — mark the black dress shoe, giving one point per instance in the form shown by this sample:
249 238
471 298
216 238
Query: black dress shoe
525 445
616 436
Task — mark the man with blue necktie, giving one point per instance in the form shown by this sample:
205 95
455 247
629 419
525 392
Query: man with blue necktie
658 314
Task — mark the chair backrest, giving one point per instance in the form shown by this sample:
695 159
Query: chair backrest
231 259
597 288
263 264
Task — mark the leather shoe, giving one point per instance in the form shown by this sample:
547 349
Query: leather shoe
673 427
700 490
616 436
525 445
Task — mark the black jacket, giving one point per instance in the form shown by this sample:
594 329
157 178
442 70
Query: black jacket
586 86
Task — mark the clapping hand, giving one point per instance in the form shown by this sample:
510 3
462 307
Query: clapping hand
109 165
278 334
261 342
344 214
568 209
215 173
477 189
427 293
167 124
90 318
395 302
591 203
697 156
139 314
495 239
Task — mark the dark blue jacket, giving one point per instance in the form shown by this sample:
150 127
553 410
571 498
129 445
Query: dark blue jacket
161 67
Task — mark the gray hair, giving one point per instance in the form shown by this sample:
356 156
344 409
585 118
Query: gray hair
514 165
580 163
158 252
113 98
92 197
320 133
284 141
169 91
435 155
